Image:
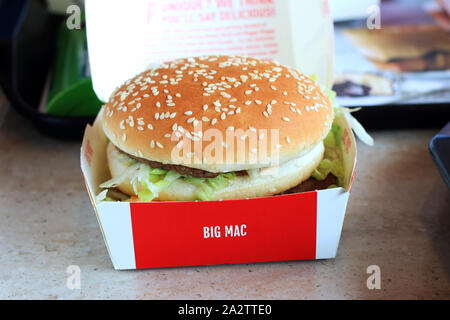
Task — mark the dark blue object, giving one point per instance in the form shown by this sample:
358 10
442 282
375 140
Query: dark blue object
27 47
440 151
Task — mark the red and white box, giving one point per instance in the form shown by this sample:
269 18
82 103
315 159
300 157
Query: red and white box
303 226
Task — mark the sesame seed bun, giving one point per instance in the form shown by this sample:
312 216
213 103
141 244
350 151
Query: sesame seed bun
267 182
157 113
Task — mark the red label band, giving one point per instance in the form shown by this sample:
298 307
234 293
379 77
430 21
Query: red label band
218 232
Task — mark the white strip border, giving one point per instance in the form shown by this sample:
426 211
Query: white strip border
331 207
115 221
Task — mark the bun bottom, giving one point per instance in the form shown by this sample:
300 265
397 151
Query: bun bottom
265 182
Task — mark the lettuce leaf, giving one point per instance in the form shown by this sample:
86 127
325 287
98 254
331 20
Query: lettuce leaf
149 182
206 187
332 161
333 158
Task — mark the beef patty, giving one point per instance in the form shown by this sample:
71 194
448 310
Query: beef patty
312 184
181 169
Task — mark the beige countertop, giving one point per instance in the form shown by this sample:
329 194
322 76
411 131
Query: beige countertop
398 218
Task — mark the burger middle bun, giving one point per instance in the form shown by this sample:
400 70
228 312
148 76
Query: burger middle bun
264 182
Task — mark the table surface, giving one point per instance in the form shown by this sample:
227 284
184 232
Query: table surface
398 218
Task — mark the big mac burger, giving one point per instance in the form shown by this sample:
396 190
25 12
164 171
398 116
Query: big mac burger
217 128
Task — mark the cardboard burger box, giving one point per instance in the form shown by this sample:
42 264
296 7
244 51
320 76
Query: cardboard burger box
301 226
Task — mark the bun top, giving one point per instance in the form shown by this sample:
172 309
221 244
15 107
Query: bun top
218 113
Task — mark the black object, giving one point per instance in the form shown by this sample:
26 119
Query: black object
27 45
404 116
440 151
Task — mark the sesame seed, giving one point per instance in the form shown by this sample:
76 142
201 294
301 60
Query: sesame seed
248 102
247 92
159 145
167 135
258 101
286 119
205 107
130 121
214 121
288 140
188 113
